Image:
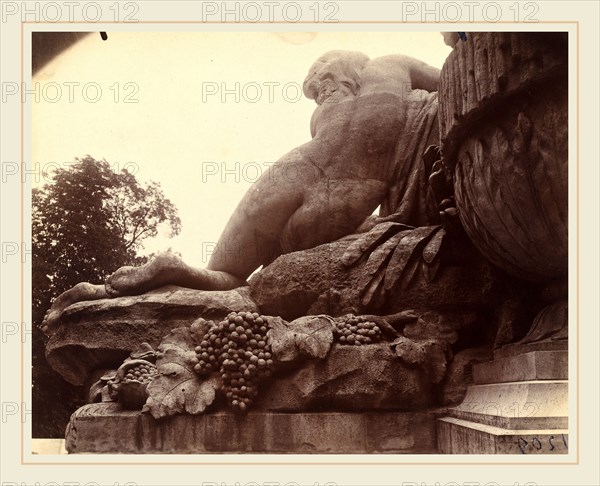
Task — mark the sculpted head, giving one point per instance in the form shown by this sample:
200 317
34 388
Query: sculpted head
335 75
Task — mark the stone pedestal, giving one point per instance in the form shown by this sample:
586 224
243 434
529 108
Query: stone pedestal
517 405
105 428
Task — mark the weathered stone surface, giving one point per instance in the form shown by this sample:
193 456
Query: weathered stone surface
518 348
316 281
456 436
551 323
536 365
508 418
102 333
503 120
104 428
307 280
427 342
351 378
511 185
460 374
480 72
521 405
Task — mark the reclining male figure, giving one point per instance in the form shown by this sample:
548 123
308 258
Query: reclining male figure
317 193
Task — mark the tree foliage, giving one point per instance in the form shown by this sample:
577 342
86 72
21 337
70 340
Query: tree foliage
90 221
86 223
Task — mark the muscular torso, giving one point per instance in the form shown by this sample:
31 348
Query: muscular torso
324 189
355 138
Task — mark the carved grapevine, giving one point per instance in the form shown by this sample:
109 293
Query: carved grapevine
176 388
393 254
233 356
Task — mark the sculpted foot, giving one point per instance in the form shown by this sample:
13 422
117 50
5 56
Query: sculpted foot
80 292
137 280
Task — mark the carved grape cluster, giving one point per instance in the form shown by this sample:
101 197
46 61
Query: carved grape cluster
141 373
237 348
356 331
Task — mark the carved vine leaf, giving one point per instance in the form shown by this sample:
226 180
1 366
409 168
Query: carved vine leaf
177 389
369 241
411 352
408 246
374 270
440 326
199 328
310 336
144 351
431 255
372 293
432 249
381 254
395 256
429 354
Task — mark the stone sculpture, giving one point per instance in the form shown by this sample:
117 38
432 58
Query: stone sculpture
351 312
373 120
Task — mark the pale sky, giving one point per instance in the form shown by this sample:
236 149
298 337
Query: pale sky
203 148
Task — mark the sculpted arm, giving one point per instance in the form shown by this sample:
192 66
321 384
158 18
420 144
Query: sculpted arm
390 72
424 76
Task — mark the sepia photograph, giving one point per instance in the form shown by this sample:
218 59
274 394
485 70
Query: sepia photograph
300 242
293 243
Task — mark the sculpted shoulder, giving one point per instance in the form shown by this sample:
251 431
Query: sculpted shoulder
348 85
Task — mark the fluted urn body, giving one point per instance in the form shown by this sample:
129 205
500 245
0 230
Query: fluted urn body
504 127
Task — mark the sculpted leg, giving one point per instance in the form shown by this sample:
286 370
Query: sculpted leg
80 292
254 230
167 269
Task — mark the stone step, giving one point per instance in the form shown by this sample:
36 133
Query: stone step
105 428
506 422
516 349
535 365
456 436
516 405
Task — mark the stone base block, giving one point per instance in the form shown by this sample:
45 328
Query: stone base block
518 405
536 365
456 436
516 349
105 428
522 405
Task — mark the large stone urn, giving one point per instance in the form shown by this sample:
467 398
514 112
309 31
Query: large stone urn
503 122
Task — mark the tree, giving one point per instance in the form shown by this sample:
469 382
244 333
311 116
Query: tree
86 223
